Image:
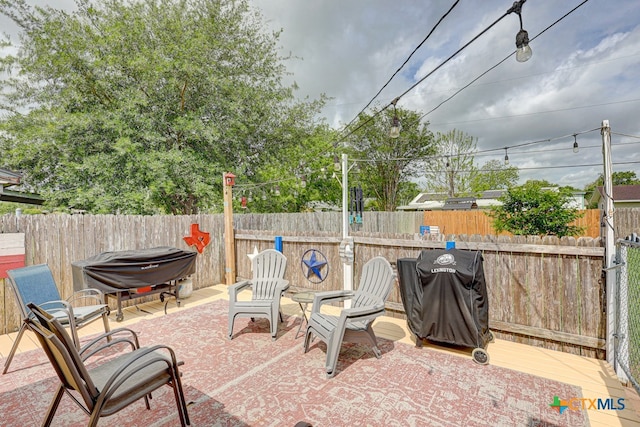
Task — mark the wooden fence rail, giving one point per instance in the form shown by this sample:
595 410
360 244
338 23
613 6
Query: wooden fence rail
545 292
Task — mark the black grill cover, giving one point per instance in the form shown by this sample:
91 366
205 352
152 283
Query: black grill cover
116 271
445 296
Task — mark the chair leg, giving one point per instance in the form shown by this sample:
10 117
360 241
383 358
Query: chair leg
180 400
334 345
14 347
307 339
274 324
107 327
53 406
374 342
232 319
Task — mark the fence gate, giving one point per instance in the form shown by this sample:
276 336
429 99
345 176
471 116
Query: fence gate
627 335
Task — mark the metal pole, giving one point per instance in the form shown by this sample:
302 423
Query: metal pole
229 240
345 197
610 249
347 267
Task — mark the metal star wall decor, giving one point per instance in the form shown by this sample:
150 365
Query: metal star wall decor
314 266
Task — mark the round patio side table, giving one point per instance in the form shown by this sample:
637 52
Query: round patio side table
303 299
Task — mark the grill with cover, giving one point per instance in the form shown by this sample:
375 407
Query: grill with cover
445 298
135 273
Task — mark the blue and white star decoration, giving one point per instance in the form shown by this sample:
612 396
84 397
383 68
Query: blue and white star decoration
314 266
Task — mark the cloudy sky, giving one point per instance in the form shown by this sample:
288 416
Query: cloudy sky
584 69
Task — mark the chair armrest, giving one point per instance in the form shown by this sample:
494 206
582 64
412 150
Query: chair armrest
235 289
282 285
326 297
87 350
89 293
117 379
56 305
363 312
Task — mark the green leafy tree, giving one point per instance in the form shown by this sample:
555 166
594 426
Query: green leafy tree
494 175
383 163
533 209
449 172
139 107
295 179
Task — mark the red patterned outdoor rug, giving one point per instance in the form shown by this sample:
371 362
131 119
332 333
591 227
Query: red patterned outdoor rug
254 381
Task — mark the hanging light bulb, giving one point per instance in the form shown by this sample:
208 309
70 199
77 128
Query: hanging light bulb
395 128
506 156
523 52
575 143
448 164
277 190
337 166
303 181
394 132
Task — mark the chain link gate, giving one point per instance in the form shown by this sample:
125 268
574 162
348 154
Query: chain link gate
627 335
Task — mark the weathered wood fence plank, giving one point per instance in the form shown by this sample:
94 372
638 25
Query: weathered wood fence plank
541 291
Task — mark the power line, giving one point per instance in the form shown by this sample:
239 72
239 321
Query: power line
585 165
499 62
540 112
396 99
405 62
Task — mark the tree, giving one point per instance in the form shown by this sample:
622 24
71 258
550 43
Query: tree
532 209
493 175
383 163
449 172
302 175
139 107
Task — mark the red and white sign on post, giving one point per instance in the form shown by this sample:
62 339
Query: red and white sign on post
11 252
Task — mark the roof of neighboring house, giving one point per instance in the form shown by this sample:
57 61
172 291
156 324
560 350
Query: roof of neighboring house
8 177
460 203
621 193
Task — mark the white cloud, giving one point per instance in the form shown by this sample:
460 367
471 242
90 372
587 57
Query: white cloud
583 70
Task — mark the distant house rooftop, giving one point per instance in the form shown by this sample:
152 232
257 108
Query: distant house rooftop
623 196
460 204
9 179
440 201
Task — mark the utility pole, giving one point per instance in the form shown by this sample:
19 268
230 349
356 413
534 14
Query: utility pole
610 244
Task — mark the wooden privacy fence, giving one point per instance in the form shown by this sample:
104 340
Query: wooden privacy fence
59 240
541 291
545 292
479 222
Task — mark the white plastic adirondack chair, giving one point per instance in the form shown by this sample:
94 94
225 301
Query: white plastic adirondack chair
267 286
353 324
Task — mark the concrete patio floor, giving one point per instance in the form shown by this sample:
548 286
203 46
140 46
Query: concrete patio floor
596 378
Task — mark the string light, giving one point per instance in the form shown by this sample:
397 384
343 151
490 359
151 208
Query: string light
506 156
523 52
575 143
395 124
